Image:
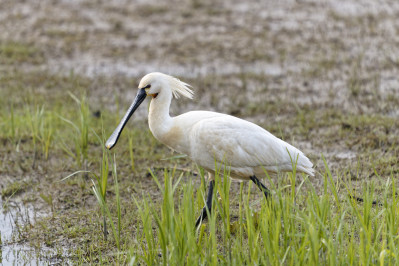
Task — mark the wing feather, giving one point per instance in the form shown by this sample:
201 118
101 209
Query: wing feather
242 144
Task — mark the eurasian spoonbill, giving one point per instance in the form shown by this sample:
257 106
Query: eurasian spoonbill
208 137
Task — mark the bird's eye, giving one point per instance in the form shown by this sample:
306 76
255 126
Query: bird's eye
147 87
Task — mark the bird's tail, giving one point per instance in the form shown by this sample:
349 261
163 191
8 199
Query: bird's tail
305 165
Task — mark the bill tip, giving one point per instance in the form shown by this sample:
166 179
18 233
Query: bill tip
108 145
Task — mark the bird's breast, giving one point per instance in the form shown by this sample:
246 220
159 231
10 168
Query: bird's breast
174 138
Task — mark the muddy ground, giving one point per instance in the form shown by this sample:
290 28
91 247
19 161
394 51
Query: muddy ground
322 75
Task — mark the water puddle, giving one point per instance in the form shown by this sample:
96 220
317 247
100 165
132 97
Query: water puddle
345 155
14 215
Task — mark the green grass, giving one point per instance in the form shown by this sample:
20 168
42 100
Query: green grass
297 226
325 94
147 206
13 188
17 53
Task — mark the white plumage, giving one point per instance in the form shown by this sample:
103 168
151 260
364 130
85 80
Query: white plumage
209 137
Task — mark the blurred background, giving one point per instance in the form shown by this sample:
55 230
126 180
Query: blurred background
284 65
322 75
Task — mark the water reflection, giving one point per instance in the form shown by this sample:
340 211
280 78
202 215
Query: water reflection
15 215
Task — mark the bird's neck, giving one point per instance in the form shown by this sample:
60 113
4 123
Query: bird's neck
159 119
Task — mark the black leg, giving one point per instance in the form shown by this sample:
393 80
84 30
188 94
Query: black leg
262 187
208 205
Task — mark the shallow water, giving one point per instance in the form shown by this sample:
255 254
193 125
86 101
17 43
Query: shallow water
15 215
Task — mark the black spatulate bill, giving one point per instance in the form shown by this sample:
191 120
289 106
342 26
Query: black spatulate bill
141 94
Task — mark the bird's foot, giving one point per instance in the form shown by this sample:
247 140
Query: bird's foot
204 212
202 217
262 187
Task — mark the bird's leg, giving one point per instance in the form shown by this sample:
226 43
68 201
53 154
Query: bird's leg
208 205
262 187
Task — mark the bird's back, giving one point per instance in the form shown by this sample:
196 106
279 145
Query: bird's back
245 147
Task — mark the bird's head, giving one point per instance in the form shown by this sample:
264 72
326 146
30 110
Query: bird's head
152 84
155 83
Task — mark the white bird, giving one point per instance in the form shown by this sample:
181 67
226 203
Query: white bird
208 137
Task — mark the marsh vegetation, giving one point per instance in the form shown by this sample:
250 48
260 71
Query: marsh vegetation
322 75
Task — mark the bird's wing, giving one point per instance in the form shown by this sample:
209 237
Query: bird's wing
240 143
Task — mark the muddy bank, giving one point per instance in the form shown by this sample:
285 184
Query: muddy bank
322 75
